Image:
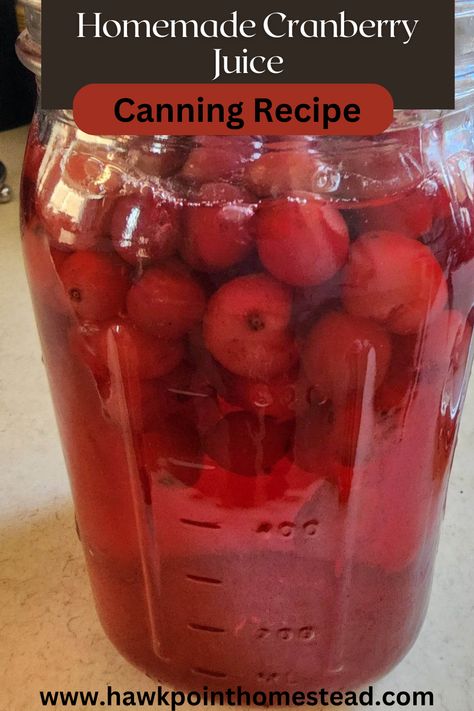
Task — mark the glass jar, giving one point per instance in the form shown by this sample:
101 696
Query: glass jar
258 350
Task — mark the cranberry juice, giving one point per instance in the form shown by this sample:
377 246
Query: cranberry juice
258 391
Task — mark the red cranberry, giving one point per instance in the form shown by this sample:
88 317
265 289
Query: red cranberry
172 453
166 301
345 353
185 392
74 218
311 302
281 172
410 215
246 327
138 404
91 173
119 347
238 491
144 228
280 397
216 159
160 158
218 236
42 264
394 280
246 444
402 377
310 447
95 283
303 243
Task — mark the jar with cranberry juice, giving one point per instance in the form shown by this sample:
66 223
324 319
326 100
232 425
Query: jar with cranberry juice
258 351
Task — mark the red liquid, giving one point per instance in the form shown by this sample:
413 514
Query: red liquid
258 412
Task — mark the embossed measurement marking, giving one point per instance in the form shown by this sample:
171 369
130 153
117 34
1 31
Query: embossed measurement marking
203 579
286 634
205 628
287 529
209 672
200 524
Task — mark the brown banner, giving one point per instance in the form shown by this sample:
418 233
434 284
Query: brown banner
209 109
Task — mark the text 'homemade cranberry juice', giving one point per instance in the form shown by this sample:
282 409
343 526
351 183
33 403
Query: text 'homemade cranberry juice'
258 353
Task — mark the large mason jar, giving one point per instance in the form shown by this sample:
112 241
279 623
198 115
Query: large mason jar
258 352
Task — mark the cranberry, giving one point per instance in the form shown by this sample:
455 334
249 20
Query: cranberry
441 353
138 404
42 264
73 217
303 243
166 301
91 173
186 392
95 283
119 347
246 327
246 444
310 302
310 447
216 159
280 397
345 353
239 491
450 238
160 158
377 170
410 215
350 437
218 236
394 280
281 172
220 194
402 377
172 453
144 228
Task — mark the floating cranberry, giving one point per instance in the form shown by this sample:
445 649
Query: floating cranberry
166 301
172 453
410 215
117 347
145 228
239 491
246 327
310 447
96 284
246 444
402 376
137 405
91 173
216 158
220 235
280 172
42 264
301 242
345 353
394 280
74 217
160 158
280 397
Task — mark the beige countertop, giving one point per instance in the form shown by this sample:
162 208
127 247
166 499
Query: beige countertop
49 634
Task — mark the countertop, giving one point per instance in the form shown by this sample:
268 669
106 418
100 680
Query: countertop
49 634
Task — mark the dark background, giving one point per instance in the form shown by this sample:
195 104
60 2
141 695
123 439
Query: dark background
419 75
17 84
